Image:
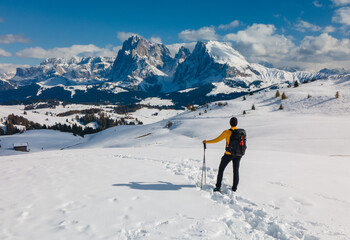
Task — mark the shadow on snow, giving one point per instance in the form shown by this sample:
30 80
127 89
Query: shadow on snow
159 186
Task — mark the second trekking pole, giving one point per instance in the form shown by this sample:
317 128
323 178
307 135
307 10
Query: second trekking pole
204 171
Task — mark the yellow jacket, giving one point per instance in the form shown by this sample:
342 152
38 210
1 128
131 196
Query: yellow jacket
224 135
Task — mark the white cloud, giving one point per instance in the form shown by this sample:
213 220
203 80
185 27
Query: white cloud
317 52
108 51
122 36
259 42
329 29
303 26
3 53
341 2
342 15
11 38
75 50
317 4
204 33
324 48
10 68
156 40
233 24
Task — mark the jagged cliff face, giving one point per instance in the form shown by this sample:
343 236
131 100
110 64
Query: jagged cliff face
140 64
215 62
212 62
198 68
5 85
181 56
70 71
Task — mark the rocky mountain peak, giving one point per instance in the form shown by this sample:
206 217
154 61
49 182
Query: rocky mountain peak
139 60
182 54
210 62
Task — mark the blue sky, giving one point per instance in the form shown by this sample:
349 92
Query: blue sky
305 34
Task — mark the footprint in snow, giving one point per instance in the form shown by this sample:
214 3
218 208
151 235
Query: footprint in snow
113 200
136 198
300 201
23 216
70 206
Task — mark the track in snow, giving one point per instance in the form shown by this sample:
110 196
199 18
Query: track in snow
258 223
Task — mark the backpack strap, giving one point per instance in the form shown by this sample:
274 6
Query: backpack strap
227 148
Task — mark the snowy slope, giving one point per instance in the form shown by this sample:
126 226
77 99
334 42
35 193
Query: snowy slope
272 201
223 53
142 182
39 141
48 116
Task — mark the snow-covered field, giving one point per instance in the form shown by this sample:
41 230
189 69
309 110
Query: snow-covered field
142 182
48 116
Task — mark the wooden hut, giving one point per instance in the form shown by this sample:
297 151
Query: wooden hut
21 147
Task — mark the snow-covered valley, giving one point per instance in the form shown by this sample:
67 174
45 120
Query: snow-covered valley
142 181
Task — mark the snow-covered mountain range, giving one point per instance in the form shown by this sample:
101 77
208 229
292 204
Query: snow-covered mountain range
144 69
73 71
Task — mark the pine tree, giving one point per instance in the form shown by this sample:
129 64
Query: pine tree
337 95
277 94
253 107
296 84
244 112
281 107
308 96
244 98
284 96
10 129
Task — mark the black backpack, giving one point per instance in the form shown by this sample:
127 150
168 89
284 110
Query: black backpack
238 142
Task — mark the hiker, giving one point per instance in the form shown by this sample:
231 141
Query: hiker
233 152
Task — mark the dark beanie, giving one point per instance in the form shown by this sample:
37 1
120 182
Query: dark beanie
233 122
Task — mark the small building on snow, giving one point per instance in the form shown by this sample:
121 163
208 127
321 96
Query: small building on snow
21 147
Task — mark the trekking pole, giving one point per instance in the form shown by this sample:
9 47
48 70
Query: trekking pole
204 172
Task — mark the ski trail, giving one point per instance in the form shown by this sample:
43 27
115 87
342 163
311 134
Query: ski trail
257 222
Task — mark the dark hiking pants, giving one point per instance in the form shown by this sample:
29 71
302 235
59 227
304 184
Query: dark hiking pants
226 159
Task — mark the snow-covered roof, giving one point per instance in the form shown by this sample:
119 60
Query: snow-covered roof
20 144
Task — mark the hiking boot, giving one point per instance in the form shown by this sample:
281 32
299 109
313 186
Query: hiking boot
217 189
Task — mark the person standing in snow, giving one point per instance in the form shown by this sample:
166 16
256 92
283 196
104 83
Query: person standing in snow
238 135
